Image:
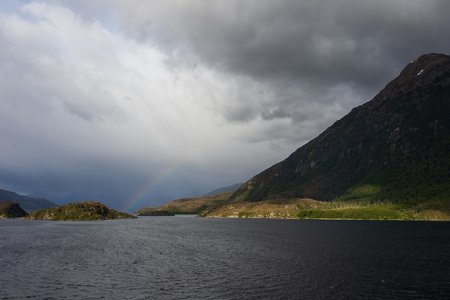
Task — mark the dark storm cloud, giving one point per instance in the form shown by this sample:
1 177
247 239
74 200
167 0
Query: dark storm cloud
312 44
328 42
298 50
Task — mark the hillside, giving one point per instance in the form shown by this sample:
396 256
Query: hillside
11 210
81 211
193 205
341 209
395 147
230 188
27 203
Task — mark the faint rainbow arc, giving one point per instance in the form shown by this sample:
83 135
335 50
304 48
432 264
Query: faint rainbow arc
151 181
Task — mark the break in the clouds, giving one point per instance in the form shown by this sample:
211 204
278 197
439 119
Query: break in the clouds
135 102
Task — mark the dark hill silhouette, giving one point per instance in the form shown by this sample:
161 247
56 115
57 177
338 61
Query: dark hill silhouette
11 210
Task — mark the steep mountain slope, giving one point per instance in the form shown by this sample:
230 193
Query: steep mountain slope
396 146
26 203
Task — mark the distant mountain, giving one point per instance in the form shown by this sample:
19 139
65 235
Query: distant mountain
222 190
394 147
27 203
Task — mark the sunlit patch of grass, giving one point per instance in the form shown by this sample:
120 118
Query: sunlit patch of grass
380 210
363 213
312 209
366 191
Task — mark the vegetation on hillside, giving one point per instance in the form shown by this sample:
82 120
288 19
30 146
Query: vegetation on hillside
362 202
90 210
342 209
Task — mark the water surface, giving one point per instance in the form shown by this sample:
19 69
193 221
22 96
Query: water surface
197 258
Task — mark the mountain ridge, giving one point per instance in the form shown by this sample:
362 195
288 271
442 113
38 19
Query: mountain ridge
393 145
27 203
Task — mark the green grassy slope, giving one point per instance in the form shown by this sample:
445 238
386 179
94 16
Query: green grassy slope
342 209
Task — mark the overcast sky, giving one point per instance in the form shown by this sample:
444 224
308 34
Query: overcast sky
137 102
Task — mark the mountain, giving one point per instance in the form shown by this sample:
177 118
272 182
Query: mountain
81 211
27 203
395 147
11 210
222 190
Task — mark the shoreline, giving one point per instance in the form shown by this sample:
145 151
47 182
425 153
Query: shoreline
329 219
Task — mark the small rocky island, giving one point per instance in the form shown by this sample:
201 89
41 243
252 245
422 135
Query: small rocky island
82 211
9 209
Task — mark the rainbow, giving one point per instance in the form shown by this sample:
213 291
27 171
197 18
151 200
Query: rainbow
139 194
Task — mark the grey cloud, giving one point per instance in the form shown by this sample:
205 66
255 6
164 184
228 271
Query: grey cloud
305 47
326 41
316 45
274 113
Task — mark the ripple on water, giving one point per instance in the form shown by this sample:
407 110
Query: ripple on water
194 258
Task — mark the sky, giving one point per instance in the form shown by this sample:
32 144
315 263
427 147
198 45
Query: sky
137 102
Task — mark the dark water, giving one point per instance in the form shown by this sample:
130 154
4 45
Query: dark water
195 258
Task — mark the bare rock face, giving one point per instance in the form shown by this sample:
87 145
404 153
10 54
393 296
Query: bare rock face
397 144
